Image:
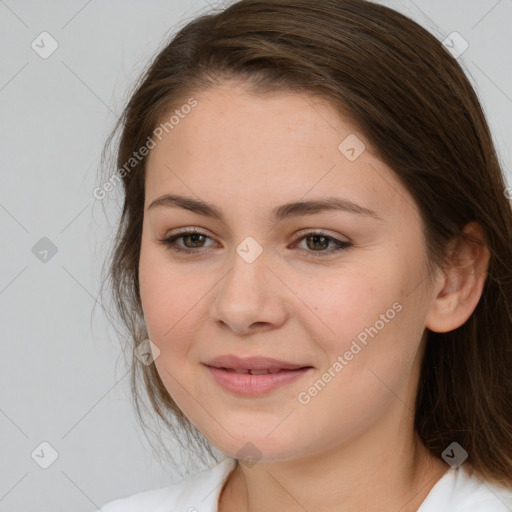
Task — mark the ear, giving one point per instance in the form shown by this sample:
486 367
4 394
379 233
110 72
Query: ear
461 284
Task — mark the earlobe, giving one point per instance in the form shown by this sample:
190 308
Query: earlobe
461 283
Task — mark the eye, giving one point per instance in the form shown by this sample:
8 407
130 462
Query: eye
316 242
195 237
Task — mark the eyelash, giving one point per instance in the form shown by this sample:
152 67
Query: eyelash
340 245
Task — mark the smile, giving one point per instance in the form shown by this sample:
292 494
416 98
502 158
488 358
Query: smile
253 372
254 375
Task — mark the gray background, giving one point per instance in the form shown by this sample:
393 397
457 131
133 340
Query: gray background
63 379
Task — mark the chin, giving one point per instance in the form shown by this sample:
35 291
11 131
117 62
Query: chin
253 448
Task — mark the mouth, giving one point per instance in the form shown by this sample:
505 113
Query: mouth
255 372
253 364
254 376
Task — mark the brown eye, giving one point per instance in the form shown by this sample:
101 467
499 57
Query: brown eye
318 242
195 239
191 240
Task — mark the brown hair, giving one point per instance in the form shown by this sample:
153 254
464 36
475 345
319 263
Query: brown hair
411 99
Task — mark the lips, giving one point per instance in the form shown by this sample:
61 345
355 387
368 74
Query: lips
255 365
253 372
254 376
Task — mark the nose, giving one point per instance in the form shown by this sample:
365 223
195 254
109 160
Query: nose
251 297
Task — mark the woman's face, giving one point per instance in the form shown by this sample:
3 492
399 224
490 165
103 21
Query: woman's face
263 280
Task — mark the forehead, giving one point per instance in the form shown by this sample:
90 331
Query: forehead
240 147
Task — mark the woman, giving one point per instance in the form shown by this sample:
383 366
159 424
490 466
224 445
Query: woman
314 264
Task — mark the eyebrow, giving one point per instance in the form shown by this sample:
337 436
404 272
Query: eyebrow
287 210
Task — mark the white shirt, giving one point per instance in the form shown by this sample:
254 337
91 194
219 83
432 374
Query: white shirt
455 491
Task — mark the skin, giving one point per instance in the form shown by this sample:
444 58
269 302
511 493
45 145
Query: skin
353 446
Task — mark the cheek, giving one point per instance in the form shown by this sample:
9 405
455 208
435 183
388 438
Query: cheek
168 314
347 303
164 295
368 317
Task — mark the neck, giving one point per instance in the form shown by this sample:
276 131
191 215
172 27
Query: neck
377 473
